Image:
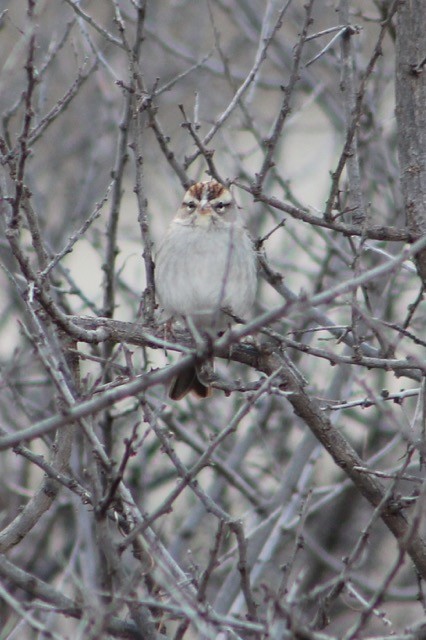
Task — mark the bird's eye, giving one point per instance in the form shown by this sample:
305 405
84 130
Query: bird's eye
221 206
190 205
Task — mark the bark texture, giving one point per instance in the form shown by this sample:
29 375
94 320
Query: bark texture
411 117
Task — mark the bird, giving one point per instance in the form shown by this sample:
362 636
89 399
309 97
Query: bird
205 271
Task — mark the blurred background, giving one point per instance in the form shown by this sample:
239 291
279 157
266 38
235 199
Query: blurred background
299 512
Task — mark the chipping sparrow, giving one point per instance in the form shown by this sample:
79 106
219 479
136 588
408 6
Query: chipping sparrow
205 266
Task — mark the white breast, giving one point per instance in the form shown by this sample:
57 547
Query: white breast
200 271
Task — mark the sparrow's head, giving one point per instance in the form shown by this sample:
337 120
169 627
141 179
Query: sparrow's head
207 203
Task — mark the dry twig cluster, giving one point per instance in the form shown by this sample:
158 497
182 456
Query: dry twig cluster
292 503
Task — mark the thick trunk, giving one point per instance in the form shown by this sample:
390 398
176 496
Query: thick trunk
411 116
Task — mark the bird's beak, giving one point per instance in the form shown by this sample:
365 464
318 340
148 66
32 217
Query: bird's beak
205 207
